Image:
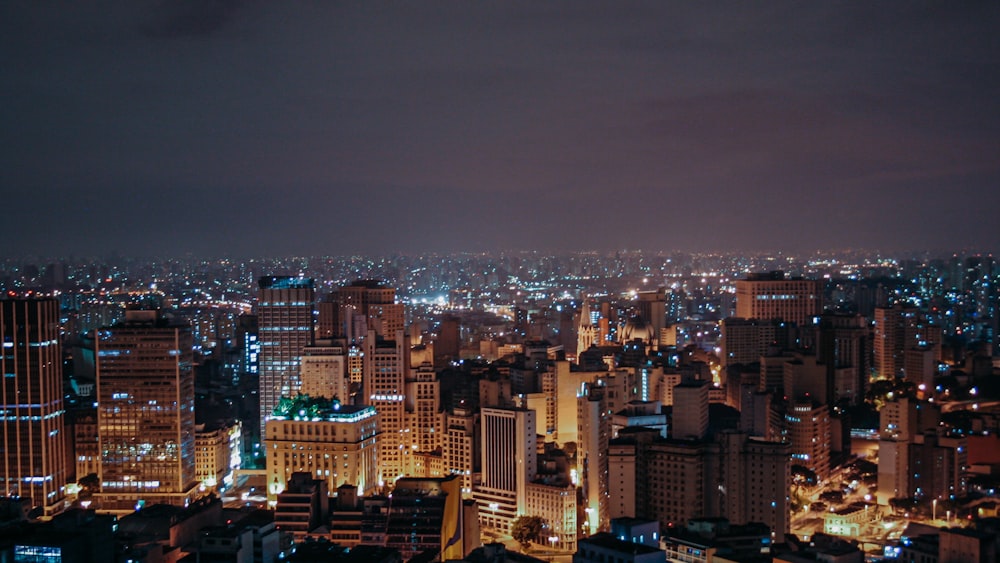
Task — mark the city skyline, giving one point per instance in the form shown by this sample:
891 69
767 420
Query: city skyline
236 128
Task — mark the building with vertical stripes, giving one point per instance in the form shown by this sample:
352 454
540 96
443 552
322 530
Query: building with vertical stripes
285 327
34 441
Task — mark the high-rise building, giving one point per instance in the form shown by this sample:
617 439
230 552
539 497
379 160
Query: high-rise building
145 412
353 310
424 421
808 428
285 324
386 367
592 457
845 351
753 478
509 464
651 307
461 446
773 296
898 330
34 439
744 341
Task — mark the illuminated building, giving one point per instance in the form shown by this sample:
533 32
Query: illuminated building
386 366
424 421
461 446
145 413
899 330
555 503
509 464
217 454
34 440
353 310
334 442
808 428
285 325
773 296
592 457
86 445
324 372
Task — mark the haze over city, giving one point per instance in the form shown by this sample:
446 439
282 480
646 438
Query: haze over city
250 128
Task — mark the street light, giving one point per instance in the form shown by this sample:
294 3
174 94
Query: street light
934 509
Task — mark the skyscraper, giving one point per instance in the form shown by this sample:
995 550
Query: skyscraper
773 296
351 311
285 324
386 366
510 461
145 412
34 436
900 329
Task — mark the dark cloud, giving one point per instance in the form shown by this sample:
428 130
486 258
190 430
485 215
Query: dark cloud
286 127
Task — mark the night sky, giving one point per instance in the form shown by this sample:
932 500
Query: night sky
272 128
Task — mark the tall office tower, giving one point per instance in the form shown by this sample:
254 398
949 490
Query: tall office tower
334 442
756 414
939 465
674 489
285 322
386 366
592 457
773 296
844 350
323 373
808 428
744 341
423 402
510 461
900 420
145 412
651 306
34 437
627 471
748 480
353 310
461 450
690 417
897 330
